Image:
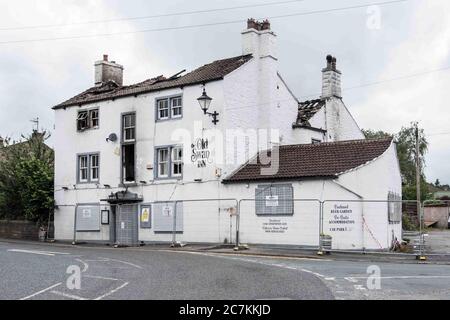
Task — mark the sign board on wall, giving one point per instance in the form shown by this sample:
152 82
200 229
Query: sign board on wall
271 201
342 218
163 216
145 220
88 218
200 154
274 199
275 225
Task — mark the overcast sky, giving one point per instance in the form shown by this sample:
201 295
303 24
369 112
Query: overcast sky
411 38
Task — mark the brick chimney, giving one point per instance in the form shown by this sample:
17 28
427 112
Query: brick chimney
331 79
259 40
108 71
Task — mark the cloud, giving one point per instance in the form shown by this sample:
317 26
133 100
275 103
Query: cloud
37 75
424 98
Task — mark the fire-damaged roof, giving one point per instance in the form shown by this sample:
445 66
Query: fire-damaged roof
307 109
322 160
110 90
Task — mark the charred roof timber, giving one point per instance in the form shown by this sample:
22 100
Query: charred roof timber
110 90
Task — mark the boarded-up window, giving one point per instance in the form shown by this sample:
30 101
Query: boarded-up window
88 218
163 217
394 207
275 199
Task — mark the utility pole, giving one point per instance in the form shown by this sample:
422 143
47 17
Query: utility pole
419 206
418 170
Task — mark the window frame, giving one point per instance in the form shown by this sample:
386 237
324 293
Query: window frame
166 162
166 108
394 203
170 107
91 119
88 119
92 167
88 168
174 162
124 128
83 169
169 162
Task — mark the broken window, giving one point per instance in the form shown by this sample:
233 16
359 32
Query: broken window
129 127
128 163
87 119
82 120
93 117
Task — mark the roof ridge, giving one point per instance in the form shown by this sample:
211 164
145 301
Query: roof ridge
213 71
328 159
342 142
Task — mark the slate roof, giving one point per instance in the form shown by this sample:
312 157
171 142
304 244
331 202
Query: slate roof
110 90
307 109
322 160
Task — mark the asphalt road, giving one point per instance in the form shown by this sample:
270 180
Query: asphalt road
35 271
39 271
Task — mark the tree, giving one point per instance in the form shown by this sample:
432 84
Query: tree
26 179
372 134
437 183
406 152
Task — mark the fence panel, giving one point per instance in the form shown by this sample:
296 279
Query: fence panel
275 221
205 221
436 222
372 225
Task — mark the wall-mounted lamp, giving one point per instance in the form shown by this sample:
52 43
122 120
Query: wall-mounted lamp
205 102
143 182
107 186
65 188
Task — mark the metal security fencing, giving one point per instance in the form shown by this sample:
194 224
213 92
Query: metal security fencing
273 220
436 225
365 226
210 221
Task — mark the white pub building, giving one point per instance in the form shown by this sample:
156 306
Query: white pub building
231 132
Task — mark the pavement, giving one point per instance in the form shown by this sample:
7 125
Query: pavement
30 270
